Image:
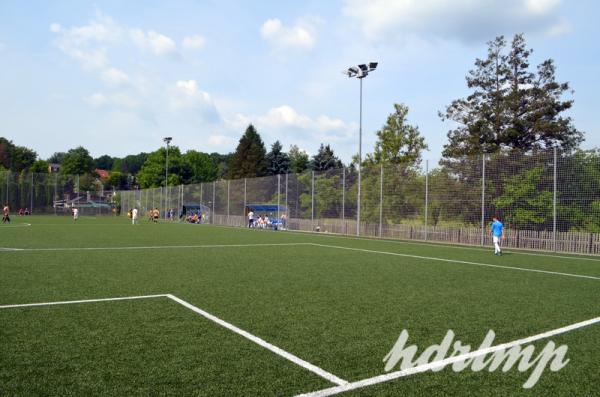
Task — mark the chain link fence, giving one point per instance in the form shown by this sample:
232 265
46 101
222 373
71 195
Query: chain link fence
33 193
547 200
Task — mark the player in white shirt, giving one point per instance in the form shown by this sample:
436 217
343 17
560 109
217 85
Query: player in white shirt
250 219
134 216
75 214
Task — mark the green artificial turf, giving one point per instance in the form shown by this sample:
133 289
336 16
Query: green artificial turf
340 309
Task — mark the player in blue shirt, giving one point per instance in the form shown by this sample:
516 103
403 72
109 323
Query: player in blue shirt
497 233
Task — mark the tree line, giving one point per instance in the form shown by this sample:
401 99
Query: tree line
513 111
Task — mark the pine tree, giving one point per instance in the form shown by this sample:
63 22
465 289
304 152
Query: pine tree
249 159
325 159
278 162
511 107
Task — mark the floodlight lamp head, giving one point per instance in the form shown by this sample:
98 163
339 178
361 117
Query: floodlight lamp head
352 71
167 140
372 66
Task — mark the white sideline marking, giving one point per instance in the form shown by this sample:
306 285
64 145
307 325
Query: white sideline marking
150 247
288 356
17 225
517 251
83 301
437 364
456 261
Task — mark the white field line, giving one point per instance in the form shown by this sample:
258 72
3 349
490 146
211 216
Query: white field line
261 342
515 251
523 269
124 298
151 247
288 356
17 225
448 361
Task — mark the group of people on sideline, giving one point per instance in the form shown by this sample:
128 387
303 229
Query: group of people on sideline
264 222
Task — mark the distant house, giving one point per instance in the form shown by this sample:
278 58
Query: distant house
102 174
53 168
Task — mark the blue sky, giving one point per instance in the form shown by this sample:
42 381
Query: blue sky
117 76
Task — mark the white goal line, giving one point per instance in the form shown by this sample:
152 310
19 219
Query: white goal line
253 338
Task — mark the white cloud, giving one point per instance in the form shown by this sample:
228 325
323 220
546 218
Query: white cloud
218 140
186 94
120 100
466 20
285 120
114 76
158 43
196 42
301 35
559 29
87 44
541 6
96 100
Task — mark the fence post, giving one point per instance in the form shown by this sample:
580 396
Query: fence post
381 200
312 202
287 215
31 196
278 195
228 223
55 192
77 190
213 204
483 199
344 200
554 204
426 198
245 203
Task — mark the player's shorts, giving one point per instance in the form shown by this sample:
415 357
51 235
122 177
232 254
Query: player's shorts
496 239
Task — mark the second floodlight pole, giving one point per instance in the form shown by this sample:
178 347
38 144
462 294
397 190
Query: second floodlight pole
167 140
359 160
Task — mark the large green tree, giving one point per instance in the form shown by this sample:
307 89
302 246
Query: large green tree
130 164
278 161
152 173
104 162
15 158
397 141
77 162
325 159
249 159
202 166
299 160
57 158
510 105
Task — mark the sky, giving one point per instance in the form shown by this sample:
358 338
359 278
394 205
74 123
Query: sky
118 76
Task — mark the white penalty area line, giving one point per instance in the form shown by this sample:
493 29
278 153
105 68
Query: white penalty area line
261 342
524 269
448 361
155 247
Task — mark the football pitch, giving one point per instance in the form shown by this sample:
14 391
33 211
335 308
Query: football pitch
101 307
